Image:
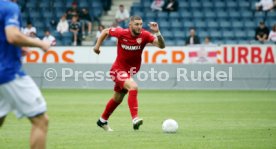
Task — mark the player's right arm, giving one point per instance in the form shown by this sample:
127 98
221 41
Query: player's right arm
12 30
15 37
100 40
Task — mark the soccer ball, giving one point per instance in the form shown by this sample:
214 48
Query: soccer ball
169 126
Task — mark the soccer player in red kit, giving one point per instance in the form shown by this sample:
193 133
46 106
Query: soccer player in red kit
131 43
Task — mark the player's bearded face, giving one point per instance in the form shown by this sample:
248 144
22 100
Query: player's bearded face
136 27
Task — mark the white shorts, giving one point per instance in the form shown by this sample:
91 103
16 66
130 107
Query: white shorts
21 96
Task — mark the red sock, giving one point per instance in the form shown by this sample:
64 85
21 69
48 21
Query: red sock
110 107
133 103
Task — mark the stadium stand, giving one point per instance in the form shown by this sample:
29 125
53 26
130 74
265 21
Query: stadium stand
45 15
226 22
229 22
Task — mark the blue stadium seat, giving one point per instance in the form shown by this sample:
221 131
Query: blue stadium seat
184 5
174 15
207 4
225 24
170 42
251 34
31 5
272 15
179 35
247 14
40 34
185 15
203 34
168 35
56 35
231 4
188 24
58 43
234 14
219 4
162 15
146 3
151 14
213 24
244 4
195 5
44 4
58 4
165 25
238 24
199 24
96 5
47 14
176 25
228 34
83 4
198 14
250 25
216 35
66 41
210 14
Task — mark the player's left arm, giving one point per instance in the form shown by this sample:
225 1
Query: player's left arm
159 40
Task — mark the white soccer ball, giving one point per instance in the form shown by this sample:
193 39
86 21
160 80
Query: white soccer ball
169 126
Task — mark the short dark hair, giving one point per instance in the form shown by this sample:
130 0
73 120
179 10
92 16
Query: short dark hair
132 18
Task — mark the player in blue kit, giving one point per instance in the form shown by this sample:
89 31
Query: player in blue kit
18 92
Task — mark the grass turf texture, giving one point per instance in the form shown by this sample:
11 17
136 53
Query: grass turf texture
207 119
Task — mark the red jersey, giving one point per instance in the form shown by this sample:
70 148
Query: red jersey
129 48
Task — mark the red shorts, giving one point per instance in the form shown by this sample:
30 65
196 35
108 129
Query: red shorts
119 77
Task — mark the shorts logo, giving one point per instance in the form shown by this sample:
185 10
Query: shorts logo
139 40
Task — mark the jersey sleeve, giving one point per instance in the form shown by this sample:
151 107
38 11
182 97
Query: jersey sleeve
115 32
150 37
12 16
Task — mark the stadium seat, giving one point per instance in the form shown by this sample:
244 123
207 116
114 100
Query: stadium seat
219 4
188 24
174 15
213 24
179 42
195 5
198 14
210 14
179 35
231 4
207 4
216 35
225 25
222 14
170 43
176 25
240 35
203 34
83 4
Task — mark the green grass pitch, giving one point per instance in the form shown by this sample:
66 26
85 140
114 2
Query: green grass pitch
207 120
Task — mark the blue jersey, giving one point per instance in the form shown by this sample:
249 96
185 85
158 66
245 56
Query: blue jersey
10 55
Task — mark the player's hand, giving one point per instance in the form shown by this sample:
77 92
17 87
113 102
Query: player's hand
45 46
154 27
97 50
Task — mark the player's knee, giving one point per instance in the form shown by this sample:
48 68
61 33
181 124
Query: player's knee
41 121
133 86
